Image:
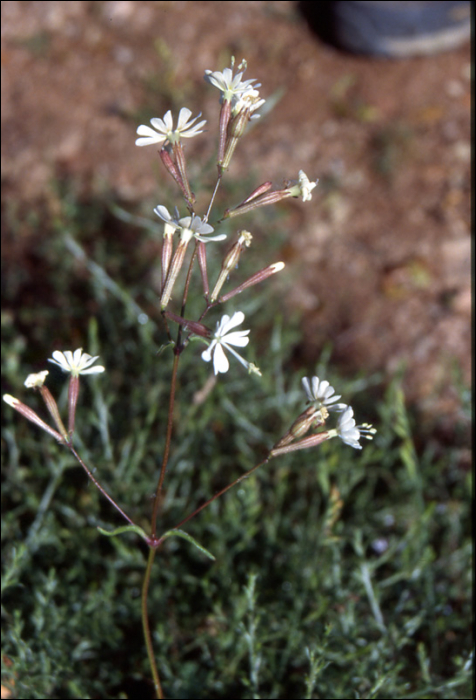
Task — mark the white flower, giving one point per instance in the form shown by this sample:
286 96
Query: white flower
223 339
351 433
77 363
305 186
229 85
189 226
34 381
248 99
322 393
302 188
165 128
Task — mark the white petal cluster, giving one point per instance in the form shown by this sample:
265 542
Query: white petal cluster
306 186
350 433
77 363
249 99
164 128
347 429
230 86
189 226
223 339
34 381
321 393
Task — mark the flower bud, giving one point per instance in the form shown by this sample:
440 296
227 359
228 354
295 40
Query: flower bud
236 129
231 260
202 263
253 203
167 247
166 159
262 189
36 381
30 415
311 417
190 326
174 269
254 279
225 114
179 156
311 441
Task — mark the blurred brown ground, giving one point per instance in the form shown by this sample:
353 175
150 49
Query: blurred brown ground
383 249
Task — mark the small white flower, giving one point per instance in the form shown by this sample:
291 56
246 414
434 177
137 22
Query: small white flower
223 339
189 226
349 432
164 128
248 99
34 381
302 188
306 186
321 393
229 85
77 363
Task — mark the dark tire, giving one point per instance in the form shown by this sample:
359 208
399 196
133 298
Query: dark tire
392 29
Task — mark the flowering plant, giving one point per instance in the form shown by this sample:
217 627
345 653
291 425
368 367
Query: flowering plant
239 100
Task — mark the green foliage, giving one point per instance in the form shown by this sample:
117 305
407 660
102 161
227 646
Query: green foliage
337 574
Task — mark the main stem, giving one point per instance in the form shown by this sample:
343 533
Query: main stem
168 438
153 527
146 626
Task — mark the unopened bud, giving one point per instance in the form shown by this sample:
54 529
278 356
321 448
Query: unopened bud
311 417
52 407
167 247
225 114
236 129
254 279
36 381
255 202
30 415
202 263
311 441
174 269
231 260
189 326
166 159
262 189
179 156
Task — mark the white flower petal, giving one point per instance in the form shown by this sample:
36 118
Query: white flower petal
220 362
160 125
207 355
163 213
184 116
86 360
93 370
168 121
220 237
227 323
237 338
